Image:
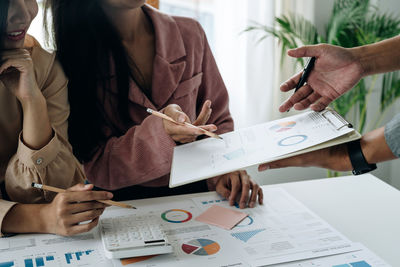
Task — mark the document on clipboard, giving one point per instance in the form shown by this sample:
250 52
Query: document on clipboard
258 144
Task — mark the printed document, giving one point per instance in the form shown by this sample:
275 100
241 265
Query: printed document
258 144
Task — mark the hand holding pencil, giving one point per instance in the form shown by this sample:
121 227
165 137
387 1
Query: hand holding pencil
178 125
72 211
104 201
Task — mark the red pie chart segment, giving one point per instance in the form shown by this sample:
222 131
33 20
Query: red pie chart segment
201 247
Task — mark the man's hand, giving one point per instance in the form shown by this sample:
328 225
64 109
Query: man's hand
336 71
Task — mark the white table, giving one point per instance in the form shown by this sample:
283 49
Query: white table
363 208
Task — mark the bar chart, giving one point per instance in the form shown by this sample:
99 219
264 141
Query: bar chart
77 256
40 261
7 264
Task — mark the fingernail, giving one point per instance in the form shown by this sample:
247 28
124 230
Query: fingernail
242 205
208 104
87 186
109 195
252 204
181 118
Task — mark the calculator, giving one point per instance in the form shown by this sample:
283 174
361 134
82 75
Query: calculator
133 236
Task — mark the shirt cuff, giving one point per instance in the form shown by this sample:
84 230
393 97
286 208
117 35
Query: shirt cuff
392 135
5 207
38 159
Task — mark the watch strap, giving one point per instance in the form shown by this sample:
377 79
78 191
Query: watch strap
358 161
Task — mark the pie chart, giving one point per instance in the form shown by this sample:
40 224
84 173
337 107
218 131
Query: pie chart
293 140
201 247
176 216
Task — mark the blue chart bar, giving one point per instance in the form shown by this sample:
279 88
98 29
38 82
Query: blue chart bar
28 263
7 264
39 262
50 258
78 255
360 264
354 264
68 258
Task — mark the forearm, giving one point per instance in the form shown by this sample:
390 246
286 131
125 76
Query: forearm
380 57
24 218
375 148
37 131
141 155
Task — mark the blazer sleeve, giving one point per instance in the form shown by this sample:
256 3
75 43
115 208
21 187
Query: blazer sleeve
142 154
54 164
213 88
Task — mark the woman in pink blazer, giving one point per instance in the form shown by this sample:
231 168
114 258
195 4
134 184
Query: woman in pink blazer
122 57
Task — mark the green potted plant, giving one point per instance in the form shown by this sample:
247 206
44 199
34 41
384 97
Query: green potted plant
352 23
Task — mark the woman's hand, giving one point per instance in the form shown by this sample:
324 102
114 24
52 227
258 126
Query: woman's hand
186 134
17 74
65 213
238 186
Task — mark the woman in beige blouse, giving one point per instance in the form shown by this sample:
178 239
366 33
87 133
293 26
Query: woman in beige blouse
33 136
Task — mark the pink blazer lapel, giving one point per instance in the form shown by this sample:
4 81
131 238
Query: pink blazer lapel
169 64
166 77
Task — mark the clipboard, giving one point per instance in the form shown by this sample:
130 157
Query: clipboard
274 140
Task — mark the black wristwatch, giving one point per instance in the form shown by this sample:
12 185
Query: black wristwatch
358 161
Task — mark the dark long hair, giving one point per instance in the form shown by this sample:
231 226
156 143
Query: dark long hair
88 46
3 21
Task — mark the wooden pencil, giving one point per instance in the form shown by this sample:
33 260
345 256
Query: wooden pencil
59 190
165 117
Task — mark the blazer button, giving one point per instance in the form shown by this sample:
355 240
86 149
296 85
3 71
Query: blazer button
39 161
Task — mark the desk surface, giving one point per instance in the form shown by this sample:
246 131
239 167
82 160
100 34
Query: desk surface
363 208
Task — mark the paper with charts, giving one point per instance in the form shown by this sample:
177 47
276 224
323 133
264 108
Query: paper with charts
254 145
361 258
53 251
280 231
